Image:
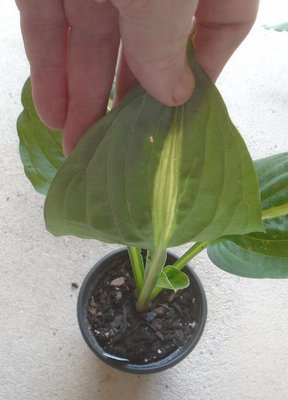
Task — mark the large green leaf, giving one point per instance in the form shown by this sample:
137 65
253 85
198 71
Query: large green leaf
40 147
260 255
148 175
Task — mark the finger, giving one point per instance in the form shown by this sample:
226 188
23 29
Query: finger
126 80
44 29
92 57
154 36
220 27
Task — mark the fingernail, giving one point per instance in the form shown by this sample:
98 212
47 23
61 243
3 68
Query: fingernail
184 87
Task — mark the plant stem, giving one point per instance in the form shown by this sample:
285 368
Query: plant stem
190 253
274 212
181 262
137 266
158 260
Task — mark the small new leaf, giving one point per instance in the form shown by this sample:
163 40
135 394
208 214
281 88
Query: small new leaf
173 279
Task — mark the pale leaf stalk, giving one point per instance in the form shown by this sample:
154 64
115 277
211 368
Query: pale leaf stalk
189 254
273 212
158 260
137 265
166 183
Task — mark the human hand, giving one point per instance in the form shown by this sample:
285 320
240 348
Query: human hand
72 47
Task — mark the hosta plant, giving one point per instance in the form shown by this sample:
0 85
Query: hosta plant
150 177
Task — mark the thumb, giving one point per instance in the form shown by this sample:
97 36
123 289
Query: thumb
154 38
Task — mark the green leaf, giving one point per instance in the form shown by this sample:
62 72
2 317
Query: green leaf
172 278
260 255
40 147
148 175
279 27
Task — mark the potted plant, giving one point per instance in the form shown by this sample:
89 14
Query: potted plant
151 177
138 341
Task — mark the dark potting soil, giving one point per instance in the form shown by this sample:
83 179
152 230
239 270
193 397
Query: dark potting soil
139 337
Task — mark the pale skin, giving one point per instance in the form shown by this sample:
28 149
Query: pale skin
72 47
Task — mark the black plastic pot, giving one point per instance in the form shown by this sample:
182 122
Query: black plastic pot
121 364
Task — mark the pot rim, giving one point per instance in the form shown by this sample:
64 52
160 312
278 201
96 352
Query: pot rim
123 364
